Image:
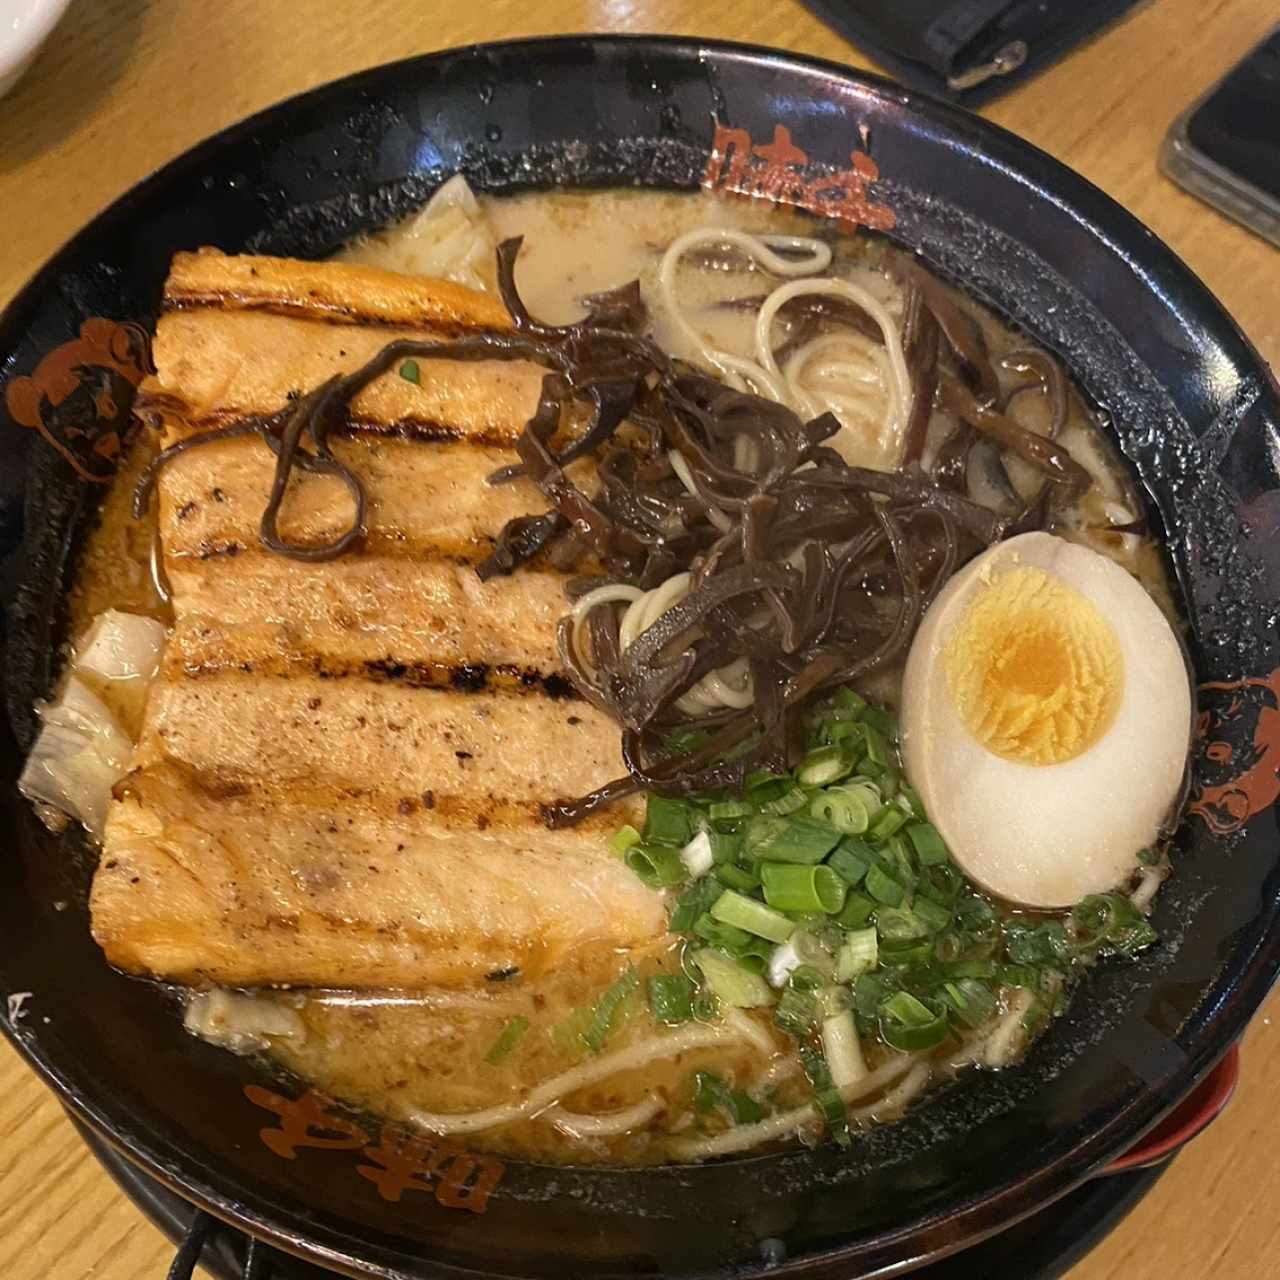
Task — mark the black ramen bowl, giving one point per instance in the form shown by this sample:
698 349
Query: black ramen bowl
1191 405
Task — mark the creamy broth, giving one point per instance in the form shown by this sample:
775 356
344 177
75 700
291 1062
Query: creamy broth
408 1053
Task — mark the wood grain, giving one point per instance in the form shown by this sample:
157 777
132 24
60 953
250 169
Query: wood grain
125 85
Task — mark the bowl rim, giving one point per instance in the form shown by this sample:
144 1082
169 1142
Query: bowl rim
1125 237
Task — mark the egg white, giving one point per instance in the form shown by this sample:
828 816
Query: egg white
1048 835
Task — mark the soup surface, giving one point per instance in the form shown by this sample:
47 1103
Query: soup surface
634 1047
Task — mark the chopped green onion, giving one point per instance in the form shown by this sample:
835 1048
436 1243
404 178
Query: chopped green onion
667 821
726 846
606 1009
760 833
1149 857
796 1012
807 977
694 902
802 840
823 767
912 797
730 982
930 851
934 917
909 1024
848 808
878 750
826 1096
843 1050
883 722
658 865
848 704
940 884
858 909
1107 924
410 372
735 908
786 803
788 887
887 821
507 1039
623 839
884 888
859 954
710 1093
727 810
850 859
897 925
1036 944
1018 975
671 998
736 942
736 877
972 1002
697 855
763 786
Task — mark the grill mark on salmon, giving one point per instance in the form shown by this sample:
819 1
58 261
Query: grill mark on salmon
471 677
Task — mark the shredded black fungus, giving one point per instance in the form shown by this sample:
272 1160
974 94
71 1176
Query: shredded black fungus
813 571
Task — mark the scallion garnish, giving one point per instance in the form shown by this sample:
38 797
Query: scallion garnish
859 954
802 889
733 876
796 1012
606 1009
832 882
410 372
801 839
848 808
824 766
910 1025
692 903
667 821
850 859
623 839
788 802
734 908
507 1039
884 888
710 1093
671 998
730 981
930 851
658 865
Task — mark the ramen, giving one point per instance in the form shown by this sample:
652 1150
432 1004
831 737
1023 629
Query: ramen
615 677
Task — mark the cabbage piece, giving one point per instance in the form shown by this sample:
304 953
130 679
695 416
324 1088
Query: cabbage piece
450 239
78 757
120 646
241 1023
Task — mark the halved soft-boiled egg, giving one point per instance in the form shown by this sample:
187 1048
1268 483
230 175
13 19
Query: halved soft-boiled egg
1046 719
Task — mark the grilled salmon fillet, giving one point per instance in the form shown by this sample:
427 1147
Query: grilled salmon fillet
342 771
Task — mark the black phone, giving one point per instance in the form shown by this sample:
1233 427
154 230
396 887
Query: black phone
1226 147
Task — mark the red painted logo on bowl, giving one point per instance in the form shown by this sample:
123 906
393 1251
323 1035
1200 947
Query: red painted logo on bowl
1238 764
80 395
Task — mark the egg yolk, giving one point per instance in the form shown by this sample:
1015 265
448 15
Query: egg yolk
1034 669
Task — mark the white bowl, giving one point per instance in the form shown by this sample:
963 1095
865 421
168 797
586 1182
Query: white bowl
24 27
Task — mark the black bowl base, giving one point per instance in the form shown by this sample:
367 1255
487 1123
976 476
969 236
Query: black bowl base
1044 1246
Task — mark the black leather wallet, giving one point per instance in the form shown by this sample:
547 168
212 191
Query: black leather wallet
967 50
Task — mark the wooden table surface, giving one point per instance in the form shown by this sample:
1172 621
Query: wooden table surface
124 85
